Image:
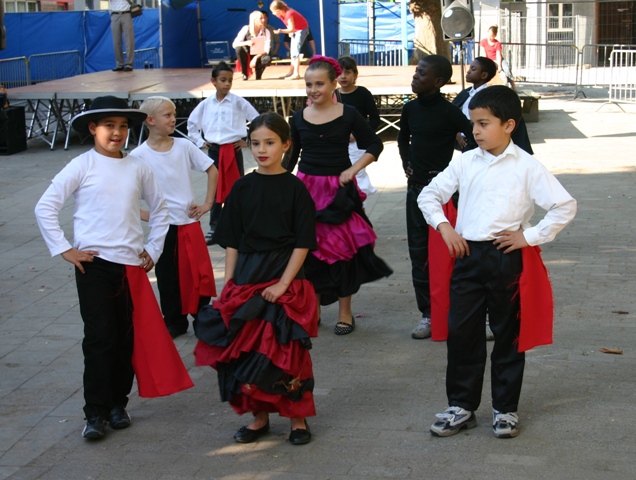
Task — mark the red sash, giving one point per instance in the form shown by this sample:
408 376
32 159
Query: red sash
196 278
156 361
537 301
440 268
228 171
239 68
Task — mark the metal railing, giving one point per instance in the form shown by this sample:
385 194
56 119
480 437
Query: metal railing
385 53
53 66
623 76
147 58
14 72
542 63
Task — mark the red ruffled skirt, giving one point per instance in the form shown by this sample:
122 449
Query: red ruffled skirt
261 349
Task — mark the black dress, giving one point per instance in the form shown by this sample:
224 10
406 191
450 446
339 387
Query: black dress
261 349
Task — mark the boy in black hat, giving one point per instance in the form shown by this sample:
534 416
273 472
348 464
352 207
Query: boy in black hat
111 261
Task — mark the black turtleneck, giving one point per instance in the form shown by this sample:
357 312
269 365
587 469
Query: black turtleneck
428 128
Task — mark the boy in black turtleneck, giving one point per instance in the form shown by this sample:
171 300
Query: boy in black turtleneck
428 128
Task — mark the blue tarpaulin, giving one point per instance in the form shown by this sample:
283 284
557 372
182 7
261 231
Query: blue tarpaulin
89 31
354 22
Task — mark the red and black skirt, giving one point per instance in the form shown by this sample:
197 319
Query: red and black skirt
259 349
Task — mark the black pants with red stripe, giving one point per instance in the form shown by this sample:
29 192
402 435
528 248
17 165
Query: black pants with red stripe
484 283
106 309
167 272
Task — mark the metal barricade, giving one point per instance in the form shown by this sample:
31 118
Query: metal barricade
385 53
53 66
147 58
622 87
14 72
542 63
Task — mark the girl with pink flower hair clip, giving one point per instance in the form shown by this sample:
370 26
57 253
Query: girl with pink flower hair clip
345 258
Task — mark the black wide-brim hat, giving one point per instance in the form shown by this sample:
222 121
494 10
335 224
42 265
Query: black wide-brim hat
103 107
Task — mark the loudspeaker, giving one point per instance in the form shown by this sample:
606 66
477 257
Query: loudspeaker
13 134
458 21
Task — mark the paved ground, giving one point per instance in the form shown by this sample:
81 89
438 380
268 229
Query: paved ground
377 390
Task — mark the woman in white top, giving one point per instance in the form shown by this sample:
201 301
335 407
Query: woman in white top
252 46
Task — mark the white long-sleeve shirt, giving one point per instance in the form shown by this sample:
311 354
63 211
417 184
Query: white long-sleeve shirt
220 122
107 193
172 170
499 193
242 37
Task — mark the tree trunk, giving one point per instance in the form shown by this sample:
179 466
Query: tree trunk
429 38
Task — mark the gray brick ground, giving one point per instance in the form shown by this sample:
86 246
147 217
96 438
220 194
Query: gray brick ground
377 390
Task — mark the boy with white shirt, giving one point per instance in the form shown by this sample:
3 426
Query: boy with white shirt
116 301
498 184
219 123
184 271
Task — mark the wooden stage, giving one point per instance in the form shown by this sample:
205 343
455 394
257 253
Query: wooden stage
51 105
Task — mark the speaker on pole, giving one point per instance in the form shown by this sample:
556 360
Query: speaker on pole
458 21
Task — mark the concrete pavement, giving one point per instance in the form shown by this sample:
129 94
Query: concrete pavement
377 390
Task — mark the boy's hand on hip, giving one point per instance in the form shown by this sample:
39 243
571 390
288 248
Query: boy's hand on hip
510 241
76 257
197 211
457 245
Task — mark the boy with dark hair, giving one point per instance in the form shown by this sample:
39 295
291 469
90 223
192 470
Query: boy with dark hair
428 128
498 269
481 71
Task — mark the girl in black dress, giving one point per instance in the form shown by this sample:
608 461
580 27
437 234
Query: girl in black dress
257 334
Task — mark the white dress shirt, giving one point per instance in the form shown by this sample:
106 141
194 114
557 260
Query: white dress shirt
172 169
118 5
499 193
240 37
471 94
107 193
220 122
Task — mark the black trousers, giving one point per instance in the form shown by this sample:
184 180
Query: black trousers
484 283
106 309
241 55
417 237
213 153
167 272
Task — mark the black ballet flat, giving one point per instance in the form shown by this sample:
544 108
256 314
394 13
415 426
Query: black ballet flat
344 328
247 435
300 436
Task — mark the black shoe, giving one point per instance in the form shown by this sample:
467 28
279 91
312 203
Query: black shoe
246 435
300 436
119 418
342 328
95 428
118 69
209 238
128 68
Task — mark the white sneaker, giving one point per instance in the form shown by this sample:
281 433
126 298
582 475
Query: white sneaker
423 330
452 421
505 425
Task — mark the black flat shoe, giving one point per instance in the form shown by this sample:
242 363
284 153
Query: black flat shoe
119 418
118 69
300 436
342 328
247 435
